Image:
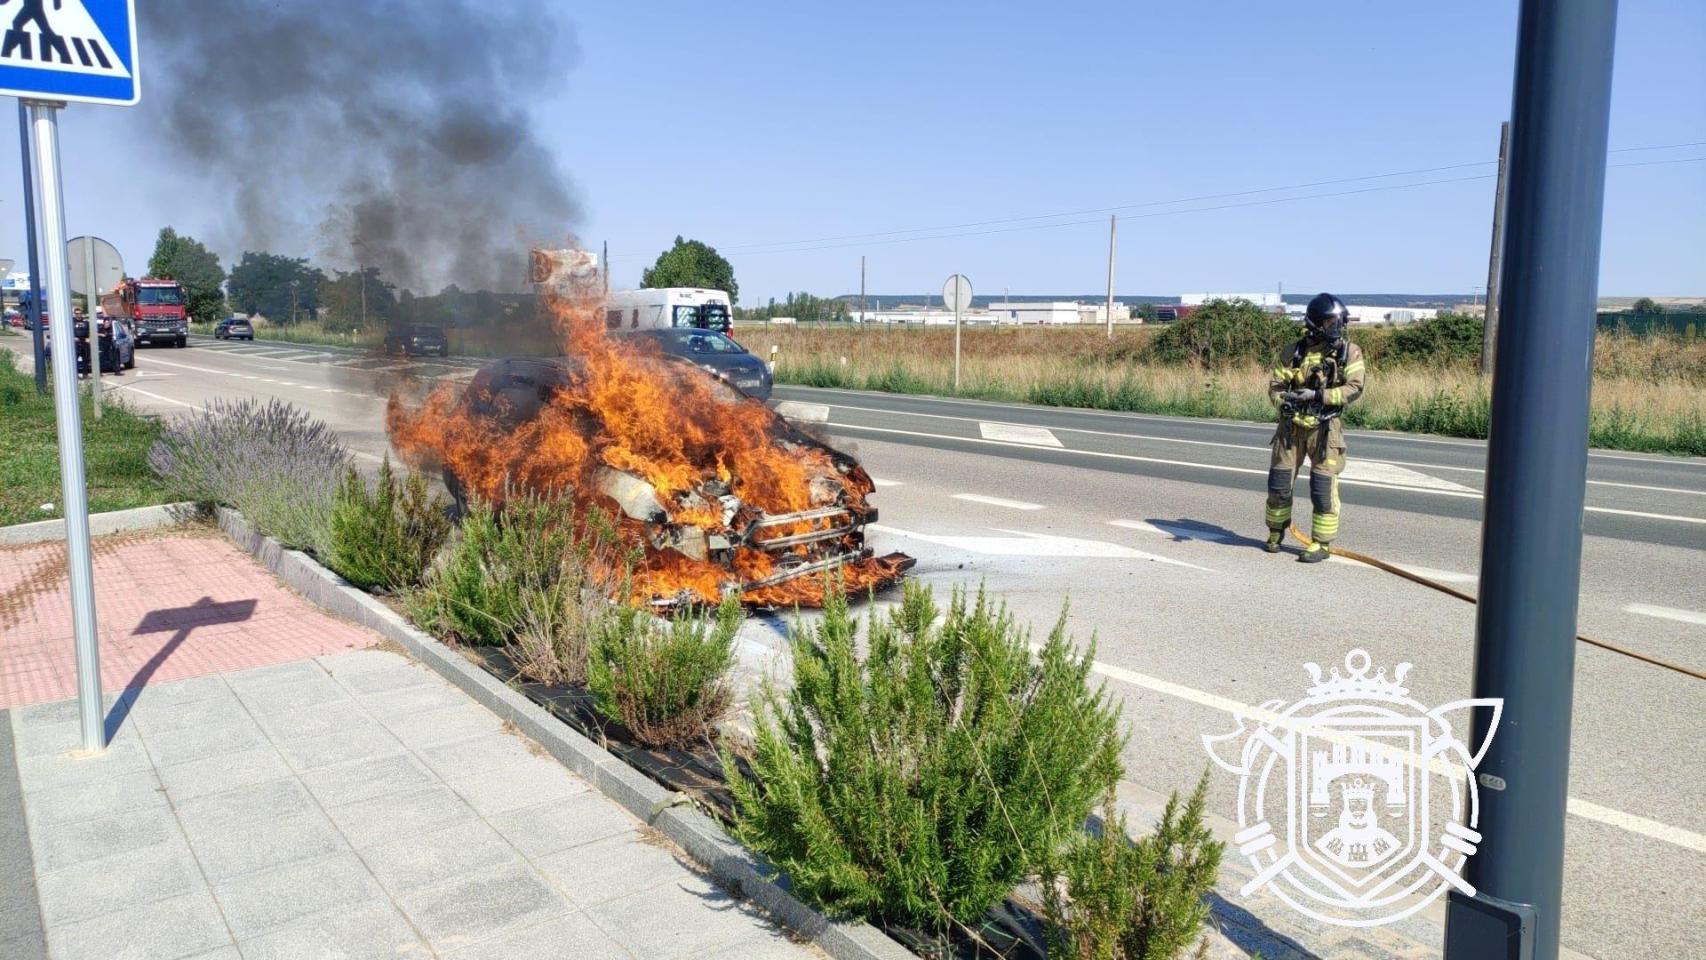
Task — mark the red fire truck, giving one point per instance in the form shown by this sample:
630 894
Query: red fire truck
155 308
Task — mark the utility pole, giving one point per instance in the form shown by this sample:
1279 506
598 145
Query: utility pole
32 312
363 268
1490 319
604 261
1531 532
863 317
1113 227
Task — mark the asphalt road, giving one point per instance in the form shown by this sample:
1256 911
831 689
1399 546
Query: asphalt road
1150 524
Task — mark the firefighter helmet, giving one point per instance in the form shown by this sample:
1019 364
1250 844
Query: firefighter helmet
1326 316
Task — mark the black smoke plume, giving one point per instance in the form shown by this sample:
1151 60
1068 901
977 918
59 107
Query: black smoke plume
391 133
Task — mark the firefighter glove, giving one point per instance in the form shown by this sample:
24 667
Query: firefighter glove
1304 395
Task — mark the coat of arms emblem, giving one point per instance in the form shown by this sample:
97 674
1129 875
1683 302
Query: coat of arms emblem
1357 805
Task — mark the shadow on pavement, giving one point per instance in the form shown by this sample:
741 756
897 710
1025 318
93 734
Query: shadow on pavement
205 612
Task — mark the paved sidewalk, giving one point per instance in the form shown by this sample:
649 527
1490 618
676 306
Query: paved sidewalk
168 607
352 804
348 806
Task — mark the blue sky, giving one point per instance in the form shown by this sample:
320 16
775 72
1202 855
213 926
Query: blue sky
751 125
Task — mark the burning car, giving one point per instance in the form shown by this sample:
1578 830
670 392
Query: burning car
722 494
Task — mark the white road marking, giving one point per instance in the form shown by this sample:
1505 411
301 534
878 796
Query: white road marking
1018 433
1431 573
1223 468
997 501
804 412
1175 531
1241 424
1653 829
881 482
156 396
1666 613
1389 474
1021 544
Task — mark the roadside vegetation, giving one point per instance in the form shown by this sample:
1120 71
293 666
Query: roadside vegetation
1649 390
913 776
115 452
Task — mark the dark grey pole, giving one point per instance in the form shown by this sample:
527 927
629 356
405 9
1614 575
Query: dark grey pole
33 311
1531 535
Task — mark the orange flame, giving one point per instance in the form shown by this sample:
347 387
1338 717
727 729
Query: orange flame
686 435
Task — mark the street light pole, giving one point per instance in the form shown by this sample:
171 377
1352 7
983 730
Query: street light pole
1531 533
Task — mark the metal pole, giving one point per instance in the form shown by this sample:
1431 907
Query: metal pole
38 336
863 316
94 328
44 123
1113 227
604 259
1490 321
1531 534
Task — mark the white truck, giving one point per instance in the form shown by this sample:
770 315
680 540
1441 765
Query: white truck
654 307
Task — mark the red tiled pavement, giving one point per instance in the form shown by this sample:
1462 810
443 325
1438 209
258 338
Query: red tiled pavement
167 608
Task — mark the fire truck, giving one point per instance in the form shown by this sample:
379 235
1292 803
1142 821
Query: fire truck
155 308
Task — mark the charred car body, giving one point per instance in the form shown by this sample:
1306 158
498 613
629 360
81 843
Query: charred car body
769 559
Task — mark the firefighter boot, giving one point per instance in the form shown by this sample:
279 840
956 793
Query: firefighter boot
1315 553
1275 538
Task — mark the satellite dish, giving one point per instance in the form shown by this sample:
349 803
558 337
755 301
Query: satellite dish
109 266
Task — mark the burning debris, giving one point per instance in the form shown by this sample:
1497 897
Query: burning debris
723 495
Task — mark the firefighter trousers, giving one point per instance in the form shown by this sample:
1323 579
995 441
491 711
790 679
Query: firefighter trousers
1323 445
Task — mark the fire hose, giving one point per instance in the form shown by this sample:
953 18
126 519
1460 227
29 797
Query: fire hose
1468 598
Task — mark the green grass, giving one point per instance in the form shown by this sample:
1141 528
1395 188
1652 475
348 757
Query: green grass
115 453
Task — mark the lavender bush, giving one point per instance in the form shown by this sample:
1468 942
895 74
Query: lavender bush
271 461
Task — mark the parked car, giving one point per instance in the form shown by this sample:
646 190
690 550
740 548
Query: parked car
14 318
233 328
417 340
716 352
118 347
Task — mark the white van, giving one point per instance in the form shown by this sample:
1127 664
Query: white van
654 307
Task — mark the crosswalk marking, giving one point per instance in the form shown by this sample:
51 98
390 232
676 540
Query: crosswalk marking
1666 613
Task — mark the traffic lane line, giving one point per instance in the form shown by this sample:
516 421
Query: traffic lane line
1241 426
1644 826
342 362
1666 613
1242 447
997 501
1228 468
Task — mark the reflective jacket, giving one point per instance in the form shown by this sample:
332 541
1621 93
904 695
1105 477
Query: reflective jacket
1334 369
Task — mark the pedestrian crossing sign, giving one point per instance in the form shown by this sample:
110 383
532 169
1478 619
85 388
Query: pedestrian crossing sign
75 50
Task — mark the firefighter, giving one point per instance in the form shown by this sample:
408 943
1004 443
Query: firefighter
1317 377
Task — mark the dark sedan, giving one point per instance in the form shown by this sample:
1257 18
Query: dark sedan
715 352
234 328
417 340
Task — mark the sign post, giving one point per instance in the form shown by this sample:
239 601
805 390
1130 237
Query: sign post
32 310
83 51
956 296
91 262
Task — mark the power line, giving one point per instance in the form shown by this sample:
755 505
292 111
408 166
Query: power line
1174 213
808 243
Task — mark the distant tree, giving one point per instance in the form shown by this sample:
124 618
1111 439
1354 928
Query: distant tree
1147 312
282 289
196 269
357 295
1646 305
691 263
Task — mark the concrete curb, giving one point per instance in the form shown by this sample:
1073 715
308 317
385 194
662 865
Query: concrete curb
100 524
701 837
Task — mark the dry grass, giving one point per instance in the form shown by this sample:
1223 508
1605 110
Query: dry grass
1649 392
